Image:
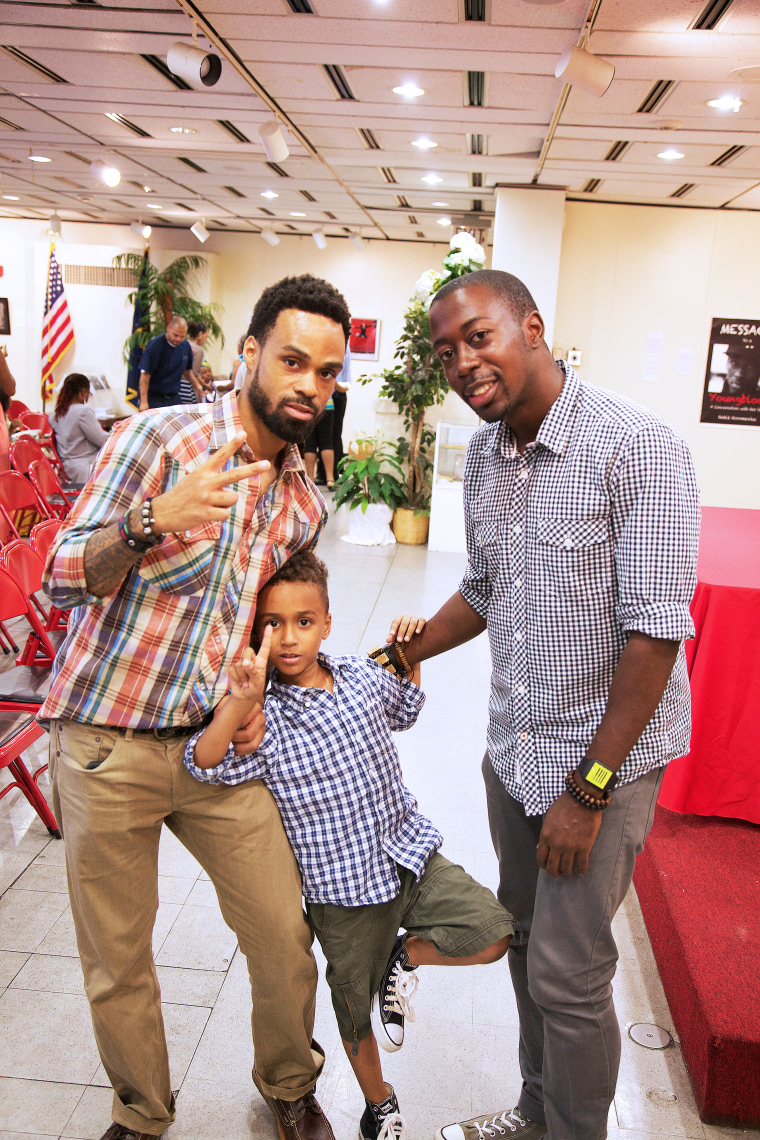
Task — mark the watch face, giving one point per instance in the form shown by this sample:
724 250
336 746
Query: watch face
597 774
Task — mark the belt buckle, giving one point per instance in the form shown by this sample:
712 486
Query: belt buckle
167 733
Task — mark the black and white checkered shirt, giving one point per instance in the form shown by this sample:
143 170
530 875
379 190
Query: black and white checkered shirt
588 535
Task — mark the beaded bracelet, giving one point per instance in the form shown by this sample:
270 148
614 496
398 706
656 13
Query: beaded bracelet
392 658
584 798
146 516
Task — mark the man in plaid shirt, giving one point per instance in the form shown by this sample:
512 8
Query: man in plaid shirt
188 513
582 522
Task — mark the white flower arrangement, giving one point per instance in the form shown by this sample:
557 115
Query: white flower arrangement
465 256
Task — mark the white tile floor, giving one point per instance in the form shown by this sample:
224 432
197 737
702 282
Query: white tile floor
460 1056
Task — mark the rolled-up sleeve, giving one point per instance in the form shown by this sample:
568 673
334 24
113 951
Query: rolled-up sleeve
233 769
656 520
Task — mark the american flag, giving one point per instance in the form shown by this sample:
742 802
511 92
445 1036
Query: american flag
57 330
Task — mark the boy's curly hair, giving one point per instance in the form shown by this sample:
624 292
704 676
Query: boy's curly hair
304 566
305 293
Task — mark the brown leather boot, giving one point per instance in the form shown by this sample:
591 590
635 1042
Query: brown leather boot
123 1132
300 1119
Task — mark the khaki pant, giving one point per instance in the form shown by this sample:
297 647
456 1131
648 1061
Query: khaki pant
112 792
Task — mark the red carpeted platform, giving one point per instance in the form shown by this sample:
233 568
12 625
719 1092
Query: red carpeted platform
698 882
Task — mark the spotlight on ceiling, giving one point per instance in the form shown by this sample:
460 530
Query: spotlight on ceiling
141 230
54 225
320 240
273 141
582 69
269 236
108 174
356 239
200 68
199 230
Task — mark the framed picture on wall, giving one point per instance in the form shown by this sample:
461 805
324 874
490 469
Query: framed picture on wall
732 375
5 317
365 338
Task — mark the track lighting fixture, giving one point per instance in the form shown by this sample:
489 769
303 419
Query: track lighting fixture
273 141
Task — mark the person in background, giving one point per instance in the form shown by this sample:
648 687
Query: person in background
321 439
237 372
7 389
78 435
165 360
195 391
340 398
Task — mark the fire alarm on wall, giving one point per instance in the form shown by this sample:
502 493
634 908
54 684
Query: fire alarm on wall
574 357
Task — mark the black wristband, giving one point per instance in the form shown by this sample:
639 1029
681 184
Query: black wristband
139 543
583 798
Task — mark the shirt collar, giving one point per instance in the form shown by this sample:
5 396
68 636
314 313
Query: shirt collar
225 423
298 694
555 429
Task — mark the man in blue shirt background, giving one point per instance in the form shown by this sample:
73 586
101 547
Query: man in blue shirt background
165 360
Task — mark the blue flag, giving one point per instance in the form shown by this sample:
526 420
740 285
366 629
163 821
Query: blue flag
133 374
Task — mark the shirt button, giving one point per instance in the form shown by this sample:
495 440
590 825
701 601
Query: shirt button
523 736
518 582
306 704
568 540
518 635
523 474
517 529
521 689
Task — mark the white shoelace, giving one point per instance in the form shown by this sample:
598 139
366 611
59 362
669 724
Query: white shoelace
393 1128
401 992
491 1126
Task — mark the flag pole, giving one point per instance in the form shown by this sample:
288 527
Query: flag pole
47 302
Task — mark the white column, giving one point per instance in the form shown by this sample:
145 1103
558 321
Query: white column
527 241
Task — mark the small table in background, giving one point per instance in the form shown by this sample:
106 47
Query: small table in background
721 774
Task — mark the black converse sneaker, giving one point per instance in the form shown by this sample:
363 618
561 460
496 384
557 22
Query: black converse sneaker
382 1121
393 1001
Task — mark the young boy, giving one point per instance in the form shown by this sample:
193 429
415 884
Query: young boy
368 859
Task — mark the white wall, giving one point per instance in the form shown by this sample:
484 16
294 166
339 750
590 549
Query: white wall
631 271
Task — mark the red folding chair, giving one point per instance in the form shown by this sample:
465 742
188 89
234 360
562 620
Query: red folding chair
20 505
36 421
16 409
27 568
22 692
42 535
27 450
48 487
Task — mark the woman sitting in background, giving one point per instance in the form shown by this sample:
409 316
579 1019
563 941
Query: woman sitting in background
78 435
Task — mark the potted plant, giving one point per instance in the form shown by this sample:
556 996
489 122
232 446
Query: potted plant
416 383
371 484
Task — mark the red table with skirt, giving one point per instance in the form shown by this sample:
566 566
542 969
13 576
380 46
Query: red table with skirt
721 774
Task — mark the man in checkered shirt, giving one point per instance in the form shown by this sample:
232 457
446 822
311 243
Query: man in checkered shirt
582 522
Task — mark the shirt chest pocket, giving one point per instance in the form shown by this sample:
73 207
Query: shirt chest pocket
182 563
576 556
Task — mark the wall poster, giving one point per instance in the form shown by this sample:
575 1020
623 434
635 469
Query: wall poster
732 375
365 338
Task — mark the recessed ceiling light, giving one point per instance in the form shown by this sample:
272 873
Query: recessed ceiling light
424 144
148 189
444 221
269 194
39 158
431 179
445 204
182 130
297 214
408 90
154 206
670 154
726 103
11 197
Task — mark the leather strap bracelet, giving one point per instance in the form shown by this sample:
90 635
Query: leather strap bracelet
584 798
392 658
140 543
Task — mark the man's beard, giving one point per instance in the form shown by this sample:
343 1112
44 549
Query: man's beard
277 420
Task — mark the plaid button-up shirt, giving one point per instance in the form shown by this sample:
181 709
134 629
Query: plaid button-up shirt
588 535
330 762
156 651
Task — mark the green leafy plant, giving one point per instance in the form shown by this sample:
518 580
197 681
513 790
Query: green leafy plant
417 382
164 294
372 475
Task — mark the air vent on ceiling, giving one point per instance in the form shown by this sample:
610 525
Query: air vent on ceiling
78 157
660 91
182 206
728 156
369 139
419 233
476 144
682 191
231 129
277 170
305 194
269 213
290 226
474 10
616 151
11 126
218 222
591 186
476 179
118 202
129 126
388 174
69 182
98 275
711 14
475 88
338 80
84 4
235 193
477 204
189 162
301 7
40 68
412 220
330 215
401 200
162 68
7 158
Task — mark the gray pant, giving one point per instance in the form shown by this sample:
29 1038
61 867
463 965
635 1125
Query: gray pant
563 956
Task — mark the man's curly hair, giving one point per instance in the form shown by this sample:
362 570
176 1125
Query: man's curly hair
303 566
305 293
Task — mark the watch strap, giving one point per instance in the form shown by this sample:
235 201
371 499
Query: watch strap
597 774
